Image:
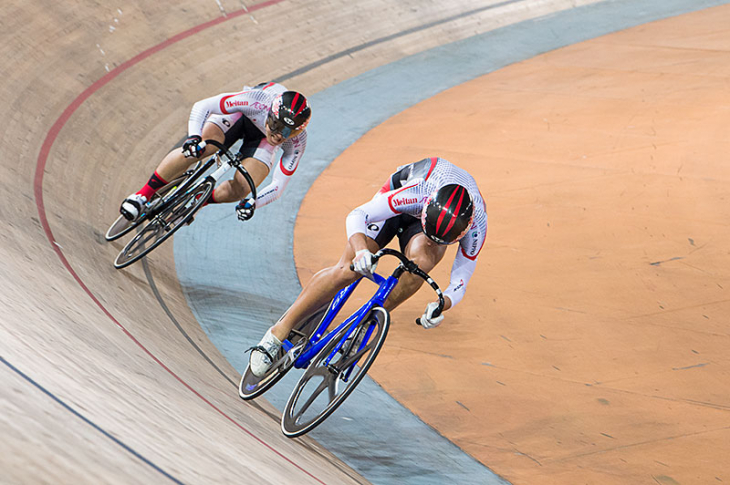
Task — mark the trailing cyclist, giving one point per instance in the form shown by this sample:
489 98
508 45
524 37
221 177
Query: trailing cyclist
428 204
265 117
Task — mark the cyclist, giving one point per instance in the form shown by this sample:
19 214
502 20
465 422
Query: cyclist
428 204
266 117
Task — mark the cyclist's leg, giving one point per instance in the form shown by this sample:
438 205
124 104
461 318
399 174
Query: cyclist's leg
424 252
172 166
237 188
175 163
319 291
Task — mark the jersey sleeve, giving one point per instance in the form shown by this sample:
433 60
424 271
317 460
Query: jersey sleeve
292 152
465 262
384 205
273 191
203 109
376 210
224 104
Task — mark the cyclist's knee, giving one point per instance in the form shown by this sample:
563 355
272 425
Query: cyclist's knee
237 190
425 253
344 275
410 284
213 131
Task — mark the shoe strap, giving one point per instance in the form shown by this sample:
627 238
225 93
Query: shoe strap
261 348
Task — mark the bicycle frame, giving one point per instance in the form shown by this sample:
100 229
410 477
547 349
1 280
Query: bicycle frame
319 339
223 168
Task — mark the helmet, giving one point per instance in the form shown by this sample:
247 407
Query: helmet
289 113
447 214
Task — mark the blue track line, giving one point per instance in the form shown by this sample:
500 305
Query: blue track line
89 422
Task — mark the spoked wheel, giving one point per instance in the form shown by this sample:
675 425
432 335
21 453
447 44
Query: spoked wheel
252 386
122 226
332 376
174 214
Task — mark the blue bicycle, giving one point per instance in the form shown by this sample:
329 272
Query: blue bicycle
336 360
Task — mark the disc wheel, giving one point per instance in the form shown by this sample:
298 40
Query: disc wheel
122 226
252 386
332 376
174 213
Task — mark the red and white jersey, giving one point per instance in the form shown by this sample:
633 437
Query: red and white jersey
406 192
254 103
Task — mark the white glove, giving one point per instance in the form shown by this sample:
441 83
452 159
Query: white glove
428 320
363 263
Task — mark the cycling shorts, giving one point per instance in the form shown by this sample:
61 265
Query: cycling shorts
403 226
237 127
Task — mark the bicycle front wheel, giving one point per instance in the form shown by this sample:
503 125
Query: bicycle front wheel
332 376
174 213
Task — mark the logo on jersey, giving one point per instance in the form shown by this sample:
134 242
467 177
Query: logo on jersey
474 242
235 103
373 227
404 201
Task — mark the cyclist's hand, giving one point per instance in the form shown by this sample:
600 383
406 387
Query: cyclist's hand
191 148
363 263
428 320
245 208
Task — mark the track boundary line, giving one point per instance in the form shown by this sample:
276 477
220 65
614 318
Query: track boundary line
88 421
42 160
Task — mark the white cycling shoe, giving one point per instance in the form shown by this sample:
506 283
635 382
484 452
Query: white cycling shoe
132 206
263 355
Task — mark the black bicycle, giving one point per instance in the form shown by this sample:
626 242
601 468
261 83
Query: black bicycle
174 205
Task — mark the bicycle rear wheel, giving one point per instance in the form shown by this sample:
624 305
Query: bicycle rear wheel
252 386
122 226
338 373
174 213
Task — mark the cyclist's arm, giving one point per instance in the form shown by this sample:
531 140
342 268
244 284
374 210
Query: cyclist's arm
376 210
464 265
203 109
224 104
293 150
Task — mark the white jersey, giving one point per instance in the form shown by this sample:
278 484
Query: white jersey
406 192
254 103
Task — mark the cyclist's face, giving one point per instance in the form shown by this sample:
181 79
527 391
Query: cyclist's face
272 137
277 132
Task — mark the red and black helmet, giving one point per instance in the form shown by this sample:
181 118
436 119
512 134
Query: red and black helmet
289 113
447 214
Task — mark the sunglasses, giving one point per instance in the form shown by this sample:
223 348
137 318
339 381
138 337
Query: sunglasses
278 127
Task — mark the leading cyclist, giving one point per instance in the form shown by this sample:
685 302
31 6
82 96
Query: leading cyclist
266 117
428 204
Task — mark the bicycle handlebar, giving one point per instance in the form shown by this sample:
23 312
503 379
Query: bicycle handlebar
222 149
412 268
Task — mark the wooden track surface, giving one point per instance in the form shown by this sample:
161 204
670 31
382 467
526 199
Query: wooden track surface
105 379
100 381
591 346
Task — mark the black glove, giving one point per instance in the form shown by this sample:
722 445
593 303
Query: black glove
191 147
245 209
